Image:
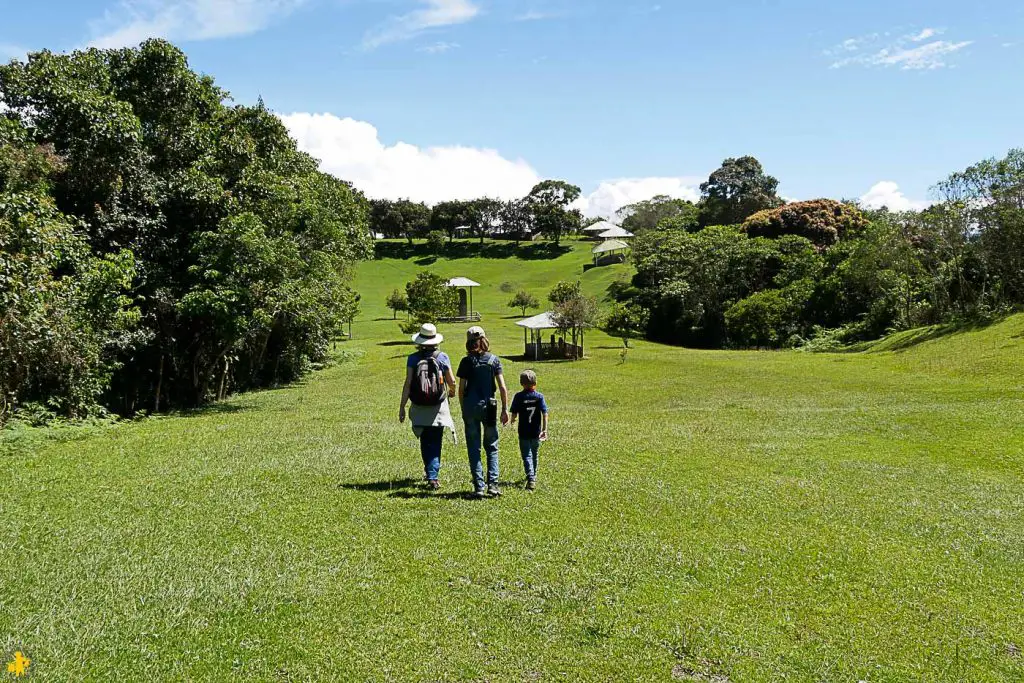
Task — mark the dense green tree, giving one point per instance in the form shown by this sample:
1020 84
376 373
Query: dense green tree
649 214
737 190
430 299
401 218
435 242
524 301
241 247
516 218
450 215
485 216
563 291
549 203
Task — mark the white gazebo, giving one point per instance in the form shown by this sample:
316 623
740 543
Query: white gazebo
599 227
608 248
615 233
465 287
535 346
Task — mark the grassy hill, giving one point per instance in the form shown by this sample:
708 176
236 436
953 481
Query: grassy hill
701 514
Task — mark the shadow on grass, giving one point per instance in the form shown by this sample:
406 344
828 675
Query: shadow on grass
426 494
533 251
545 361
383 486
901 341
394 343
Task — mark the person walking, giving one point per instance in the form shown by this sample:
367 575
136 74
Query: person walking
428 384
480 375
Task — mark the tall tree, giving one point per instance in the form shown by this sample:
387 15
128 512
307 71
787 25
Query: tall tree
649 214
486 215
516 218
549 203
447 216
736 191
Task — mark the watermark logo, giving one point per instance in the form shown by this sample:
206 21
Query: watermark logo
19 664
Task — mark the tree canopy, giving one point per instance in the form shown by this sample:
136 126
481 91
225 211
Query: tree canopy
737 190
211 254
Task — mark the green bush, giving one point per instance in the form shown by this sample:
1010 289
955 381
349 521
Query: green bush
769 318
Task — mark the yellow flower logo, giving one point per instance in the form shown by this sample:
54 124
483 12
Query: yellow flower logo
19 665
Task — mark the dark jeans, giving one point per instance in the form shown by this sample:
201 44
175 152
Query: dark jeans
473 418
529 448
430 449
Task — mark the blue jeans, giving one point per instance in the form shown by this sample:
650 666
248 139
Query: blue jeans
529 448
430 448
473 417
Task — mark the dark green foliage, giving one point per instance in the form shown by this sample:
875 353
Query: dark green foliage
823 221
435 241
549 208
234 246
402 218
768 318
661 211
737 190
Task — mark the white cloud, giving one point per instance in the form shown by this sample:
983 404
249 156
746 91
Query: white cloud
435 14
438 48
352 150
136 20
908 52
888 194
610 196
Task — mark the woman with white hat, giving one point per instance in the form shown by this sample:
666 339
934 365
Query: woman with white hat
428 384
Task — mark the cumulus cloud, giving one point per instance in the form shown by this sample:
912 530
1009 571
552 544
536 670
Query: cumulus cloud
907 52
610 196
434 14
887 194
136 20
353 150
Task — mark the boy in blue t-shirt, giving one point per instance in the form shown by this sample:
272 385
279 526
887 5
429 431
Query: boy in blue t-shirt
532 410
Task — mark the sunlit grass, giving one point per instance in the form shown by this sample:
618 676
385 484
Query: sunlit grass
750 515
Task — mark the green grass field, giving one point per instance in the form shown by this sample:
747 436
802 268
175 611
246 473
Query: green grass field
703 516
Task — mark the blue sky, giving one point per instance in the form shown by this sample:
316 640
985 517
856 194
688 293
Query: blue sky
454 98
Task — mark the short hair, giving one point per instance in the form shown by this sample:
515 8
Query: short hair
478 345
528 378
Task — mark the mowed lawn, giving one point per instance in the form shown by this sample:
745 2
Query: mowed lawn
703 516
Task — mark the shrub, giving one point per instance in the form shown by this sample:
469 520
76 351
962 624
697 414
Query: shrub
435 241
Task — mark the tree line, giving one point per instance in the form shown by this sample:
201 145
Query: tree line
160 246
546 211
742 268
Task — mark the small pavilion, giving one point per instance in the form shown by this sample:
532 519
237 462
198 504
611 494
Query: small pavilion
535 346
466 312
608 250
615 233
599 227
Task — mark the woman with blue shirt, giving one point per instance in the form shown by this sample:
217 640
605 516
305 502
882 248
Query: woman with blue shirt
429 366
480 376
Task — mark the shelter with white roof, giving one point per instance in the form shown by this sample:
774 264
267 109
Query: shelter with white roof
606 251
615 233
557 347
466 312
599 227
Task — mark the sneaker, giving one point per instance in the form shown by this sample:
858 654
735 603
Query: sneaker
479 493
531 484
434 484
494 490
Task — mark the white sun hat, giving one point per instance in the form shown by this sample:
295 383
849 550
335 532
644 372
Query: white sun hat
427 336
